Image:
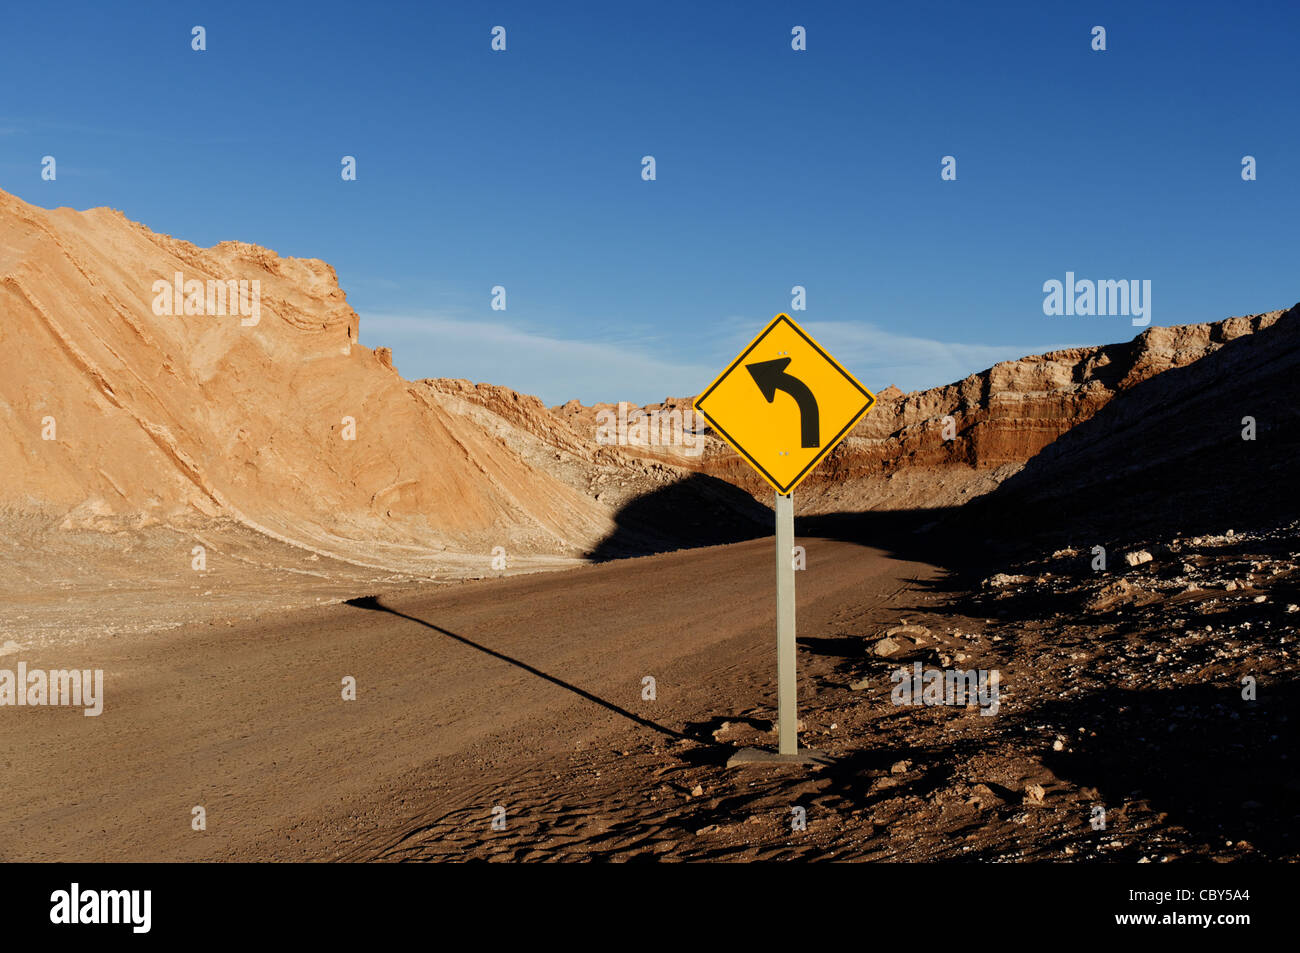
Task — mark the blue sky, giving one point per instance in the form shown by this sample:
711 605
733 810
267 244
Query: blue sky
774 168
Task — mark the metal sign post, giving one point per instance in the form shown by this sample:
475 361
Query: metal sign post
787 701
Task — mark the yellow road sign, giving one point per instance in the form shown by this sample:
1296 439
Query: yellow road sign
784 403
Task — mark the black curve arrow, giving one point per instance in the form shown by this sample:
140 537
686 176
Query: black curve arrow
771 376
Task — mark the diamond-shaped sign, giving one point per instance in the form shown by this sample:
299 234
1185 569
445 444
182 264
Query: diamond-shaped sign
784 403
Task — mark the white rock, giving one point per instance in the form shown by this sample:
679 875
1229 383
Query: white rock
1003 579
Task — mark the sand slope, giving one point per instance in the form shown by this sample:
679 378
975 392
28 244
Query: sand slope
180 418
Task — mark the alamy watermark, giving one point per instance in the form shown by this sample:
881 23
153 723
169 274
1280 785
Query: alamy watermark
129 907
651 428
1105 297
213 298
76 688
946 687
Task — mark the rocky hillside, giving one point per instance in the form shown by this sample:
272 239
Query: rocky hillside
1201 448
115 416
944 446
131 397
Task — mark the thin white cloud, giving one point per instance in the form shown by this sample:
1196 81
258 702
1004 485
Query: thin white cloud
879 358
642 369
554 368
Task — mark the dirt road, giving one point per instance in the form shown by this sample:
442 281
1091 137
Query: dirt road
460 691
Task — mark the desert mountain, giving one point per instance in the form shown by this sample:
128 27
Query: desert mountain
947 445
114 415
1201 448
142 385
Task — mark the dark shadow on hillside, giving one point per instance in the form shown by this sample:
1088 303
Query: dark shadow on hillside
698 511
924 535
1167 456
1164 457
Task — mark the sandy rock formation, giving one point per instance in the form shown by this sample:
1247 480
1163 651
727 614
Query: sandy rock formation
905 453
111 412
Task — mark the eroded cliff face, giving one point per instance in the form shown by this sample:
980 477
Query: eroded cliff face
112 414
943 446
1199 448
1000 418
